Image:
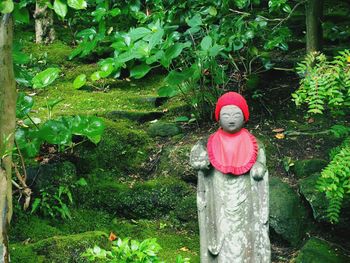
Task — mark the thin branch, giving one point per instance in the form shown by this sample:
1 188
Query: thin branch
289 15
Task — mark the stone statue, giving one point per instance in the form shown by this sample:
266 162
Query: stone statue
232 190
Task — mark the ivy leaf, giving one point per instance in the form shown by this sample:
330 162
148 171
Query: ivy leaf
45 78
60 8
23 105
79 81
139 71
77 4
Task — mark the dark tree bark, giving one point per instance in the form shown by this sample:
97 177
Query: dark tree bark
314 13
8 96
44 30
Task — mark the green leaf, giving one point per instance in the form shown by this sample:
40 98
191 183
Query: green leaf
212 11
55 132
77 4
79 81
106 69
156 38
138 33
182 119
139 71
82 182
206 43
172 52
6 6
89 126
45 78
21 14
194 21
95 76
60 8
23 105
168 91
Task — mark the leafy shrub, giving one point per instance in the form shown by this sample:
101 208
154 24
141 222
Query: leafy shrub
324 84
125 251
335 179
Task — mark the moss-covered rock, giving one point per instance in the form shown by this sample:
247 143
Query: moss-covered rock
52 174
317 200
174 161
60 249
319 251
152 199
123 148
288 217
319 203
163 129
304 168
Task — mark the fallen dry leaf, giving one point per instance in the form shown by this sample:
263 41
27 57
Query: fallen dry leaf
112 236
280 136
184 249
278 130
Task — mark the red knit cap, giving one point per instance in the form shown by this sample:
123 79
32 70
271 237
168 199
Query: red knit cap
232 98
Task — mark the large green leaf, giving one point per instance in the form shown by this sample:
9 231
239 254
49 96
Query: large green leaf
60 8
173 52
77 4
79 81
6 6
45 78
24 105
89 126
156 38
55 132
139 71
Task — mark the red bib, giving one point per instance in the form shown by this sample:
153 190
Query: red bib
232 153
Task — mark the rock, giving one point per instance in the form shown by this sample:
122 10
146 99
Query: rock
123 148
174 161
303 168
58 249
163 129
138 116
288 217
52 174
319 251
317 200
152 199
319 203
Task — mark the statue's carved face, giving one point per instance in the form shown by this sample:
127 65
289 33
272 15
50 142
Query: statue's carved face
231 118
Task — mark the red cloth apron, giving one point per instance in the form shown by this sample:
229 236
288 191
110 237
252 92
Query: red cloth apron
232 153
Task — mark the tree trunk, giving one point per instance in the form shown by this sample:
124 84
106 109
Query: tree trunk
8 97
314 13
44 30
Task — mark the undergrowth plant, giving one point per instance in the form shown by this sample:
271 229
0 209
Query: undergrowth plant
325 84
325 87
335 180
129 251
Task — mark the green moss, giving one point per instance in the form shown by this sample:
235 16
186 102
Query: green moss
163 129
304 168
24 254
320 251
57 52
152 199
288 217
123 148
31 227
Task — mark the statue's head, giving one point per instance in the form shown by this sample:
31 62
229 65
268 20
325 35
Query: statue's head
232 112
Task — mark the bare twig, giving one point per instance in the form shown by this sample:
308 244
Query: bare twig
289 15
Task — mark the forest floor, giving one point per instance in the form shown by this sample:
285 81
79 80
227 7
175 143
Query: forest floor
273 116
